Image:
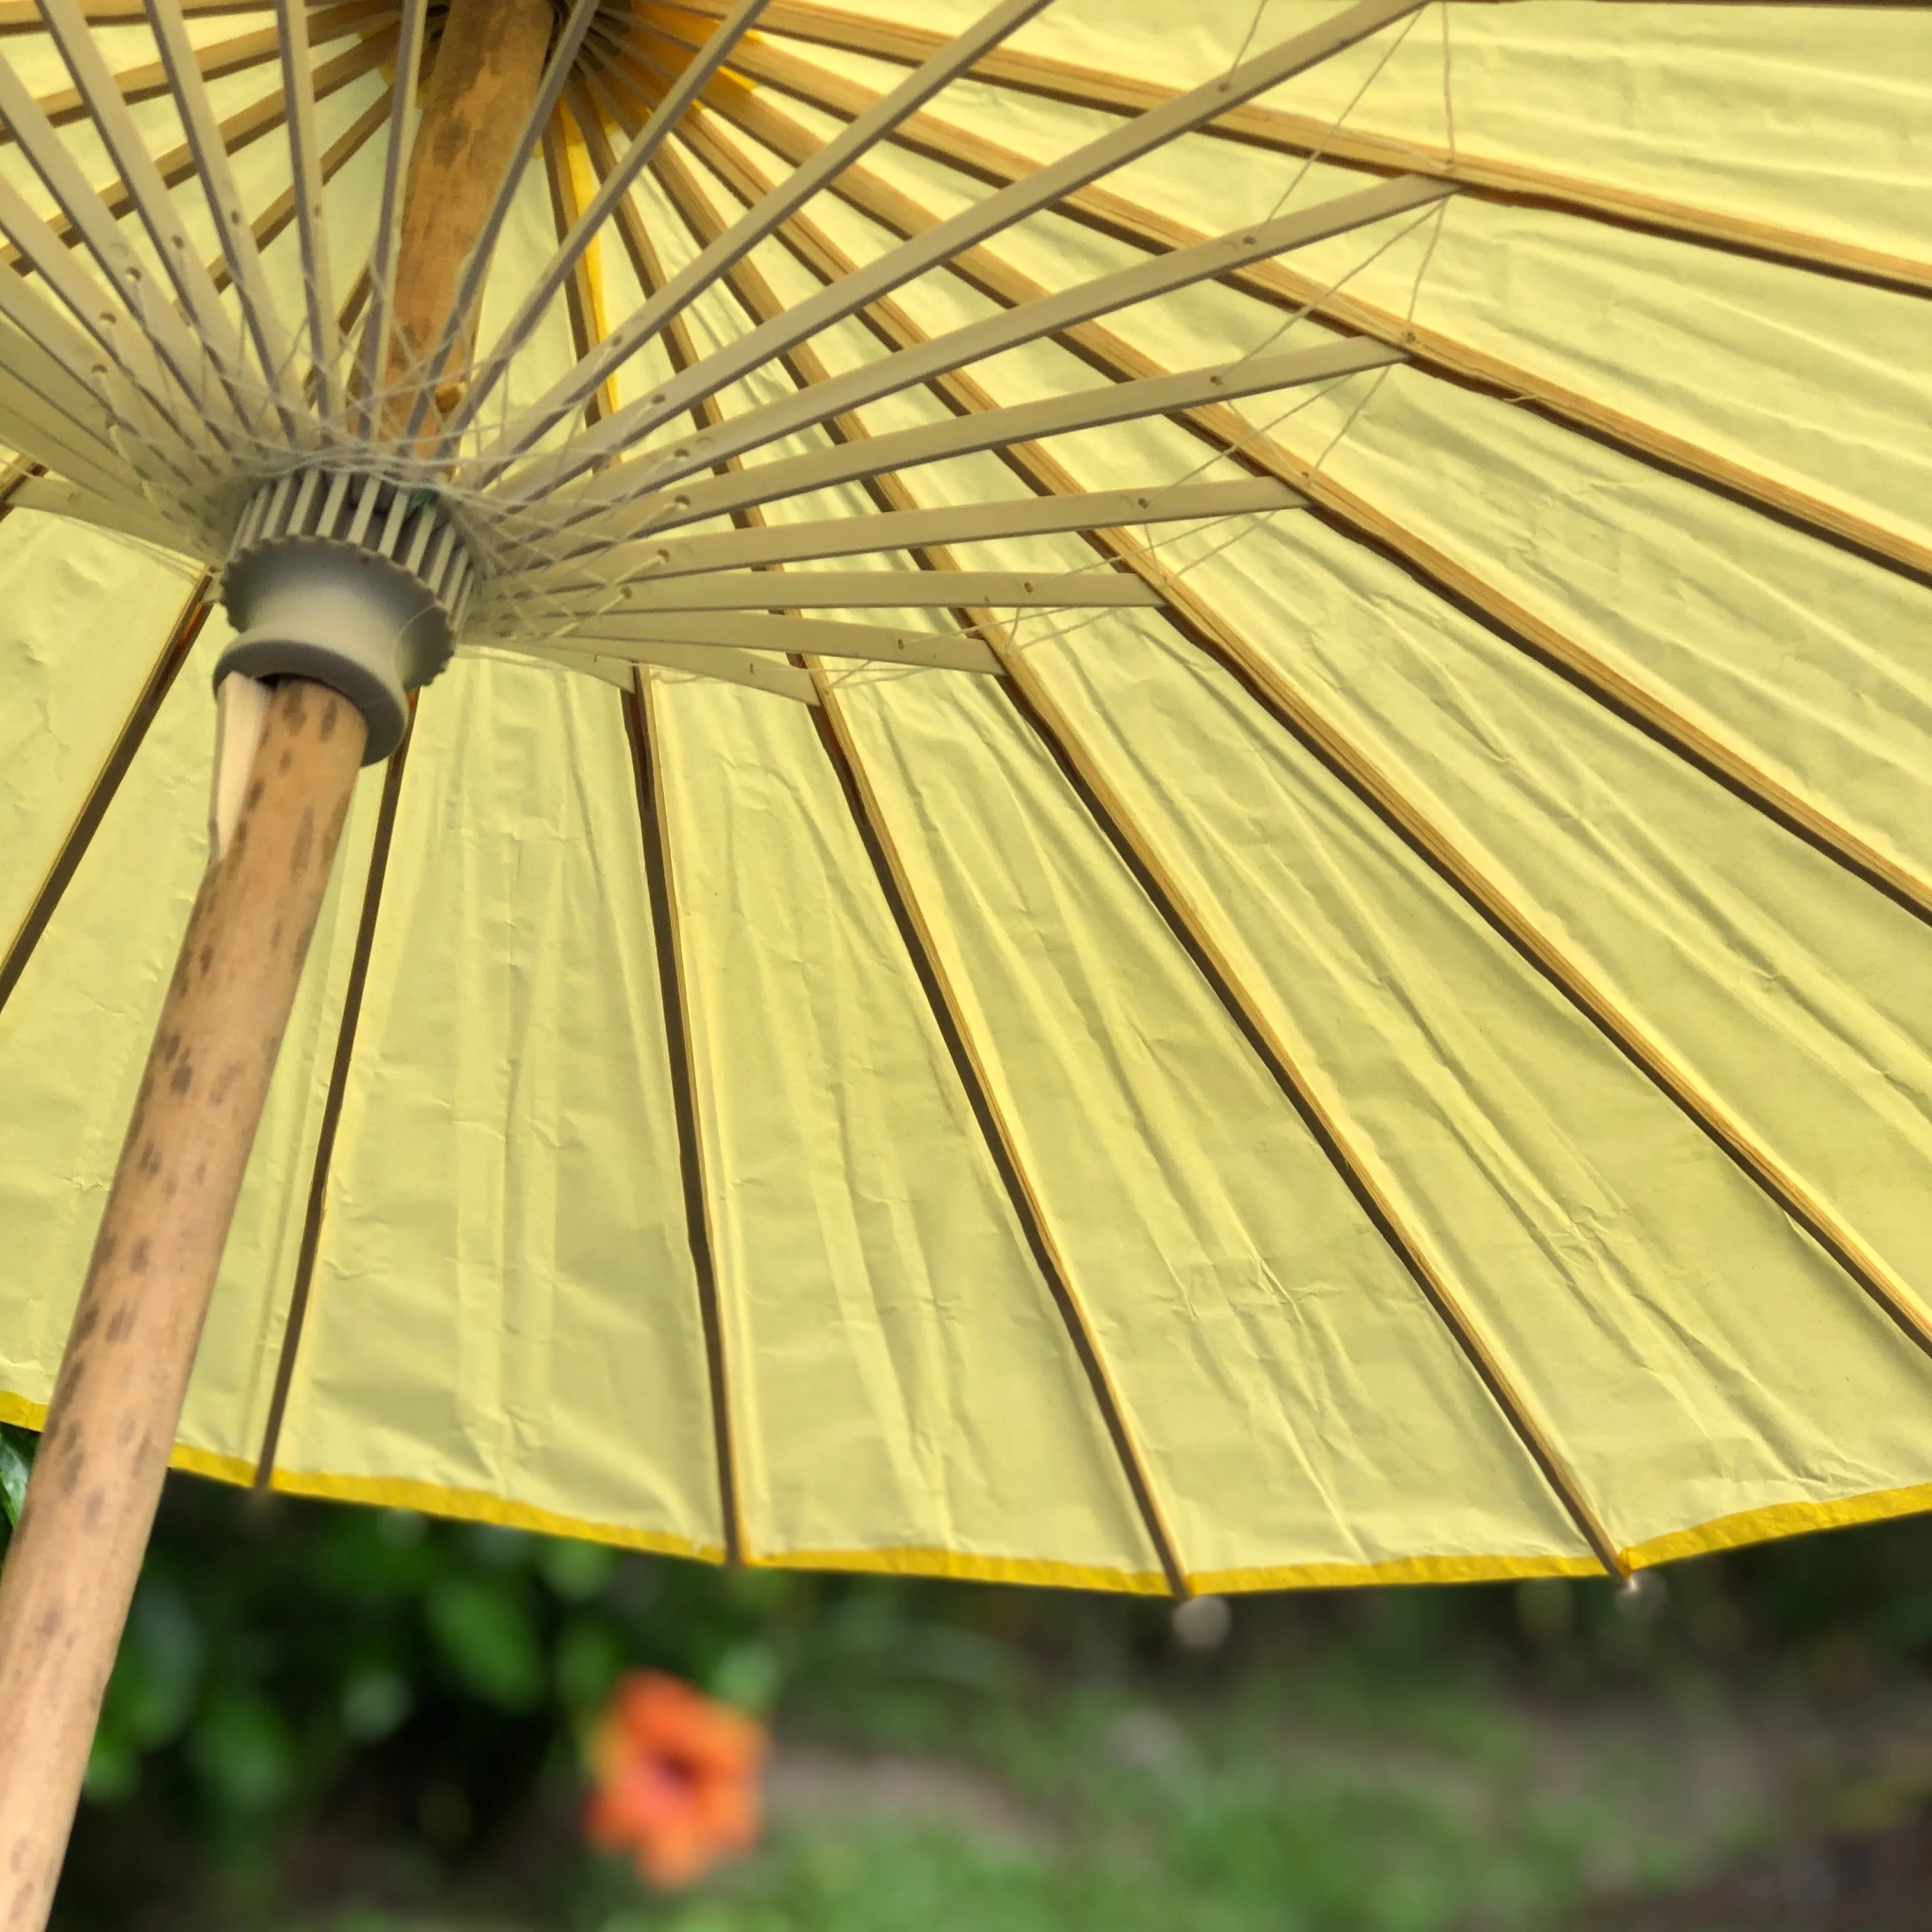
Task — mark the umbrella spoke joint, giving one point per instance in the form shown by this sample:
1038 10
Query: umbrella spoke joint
353 581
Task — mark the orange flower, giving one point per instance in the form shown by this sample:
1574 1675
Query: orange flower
677 1780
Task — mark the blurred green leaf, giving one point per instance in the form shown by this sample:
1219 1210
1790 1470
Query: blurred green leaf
16 1462
157 1680
498 1548
375 1700
372 1557
485 1628
400 1529
241 1748
590 1654
576 1571
748 1675
113 1770
763 1591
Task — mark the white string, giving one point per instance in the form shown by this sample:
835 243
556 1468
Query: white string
1050 630
1248 38
268 449
1335 126
1282 328
1276 335
1448 98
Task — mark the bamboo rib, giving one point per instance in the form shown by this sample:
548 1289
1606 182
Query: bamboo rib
579 302
1434 350
1488 177
817 538
307 178
588 111
841 750
145 339
689 283
990 215
1321 737
1716 758
302 1285
370 362
1200 626
1358 1171
280 212
1225 429
752 648
197 307
15 473
127 742
752 291
589 108
24 17
49 417
643 728
754 295
893 496
1055 314
215 62
44 367
576 235
249 123
262 325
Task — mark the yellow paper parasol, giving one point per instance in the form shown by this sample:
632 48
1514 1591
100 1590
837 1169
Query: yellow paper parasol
1178 841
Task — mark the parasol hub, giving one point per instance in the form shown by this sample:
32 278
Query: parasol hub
352 580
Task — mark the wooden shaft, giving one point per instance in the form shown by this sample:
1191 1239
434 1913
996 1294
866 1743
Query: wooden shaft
487 71
76 1553
71 1569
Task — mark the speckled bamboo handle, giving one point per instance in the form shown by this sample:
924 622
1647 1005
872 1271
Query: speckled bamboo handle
488 68
76 1553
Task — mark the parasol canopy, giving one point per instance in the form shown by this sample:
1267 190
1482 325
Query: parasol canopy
1178 840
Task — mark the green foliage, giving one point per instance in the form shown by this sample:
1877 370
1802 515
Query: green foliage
486 1628
297 1676
1193 1817
287 1662
243 1752
17 1461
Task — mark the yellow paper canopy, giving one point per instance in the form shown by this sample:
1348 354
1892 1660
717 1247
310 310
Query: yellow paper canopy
1405 1054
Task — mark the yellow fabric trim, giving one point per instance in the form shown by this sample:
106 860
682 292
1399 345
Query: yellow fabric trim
397 1493
22 1413
964 1566
1398 1570
26 1415
1767 1524
234 1469
1779 1520
476 1506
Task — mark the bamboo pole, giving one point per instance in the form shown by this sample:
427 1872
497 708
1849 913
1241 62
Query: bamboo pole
486 77
77 1552
71 1569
